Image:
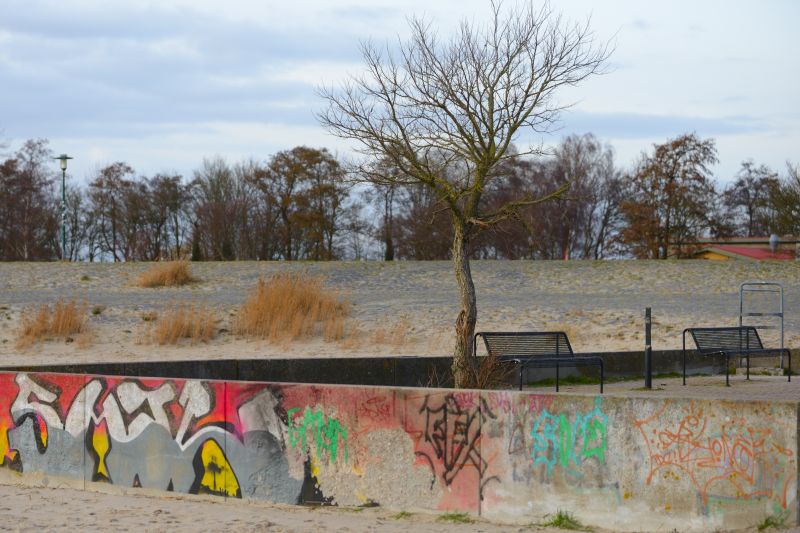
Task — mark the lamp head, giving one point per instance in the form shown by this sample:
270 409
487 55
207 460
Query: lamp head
63 159
774 240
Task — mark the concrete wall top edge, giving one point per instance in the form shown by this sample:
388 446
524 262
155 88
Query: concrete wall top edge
437 390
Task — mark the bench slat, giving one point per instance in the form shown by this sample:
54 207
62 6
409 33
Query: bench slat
710 340
742 341
552 343
538 349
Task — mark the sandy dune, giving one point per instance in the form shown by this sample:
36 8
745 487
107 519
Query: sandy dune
401 308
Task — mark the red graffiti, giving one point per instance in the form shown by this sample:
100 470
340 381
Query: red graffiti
375 408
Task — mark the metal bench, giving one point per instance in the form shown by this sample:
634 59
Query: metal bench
547 349
741 341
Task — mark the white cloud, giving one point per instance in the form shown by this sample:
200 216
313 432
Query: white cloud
182 147
316 73
162 84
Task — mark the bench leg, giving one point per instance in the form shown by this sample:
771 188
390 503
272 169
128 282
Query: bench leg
684 358
601 377
748 367
556 377
521 367
727 370
790 366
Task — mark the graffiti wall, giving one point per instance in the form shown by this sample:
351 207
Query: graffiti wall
613 462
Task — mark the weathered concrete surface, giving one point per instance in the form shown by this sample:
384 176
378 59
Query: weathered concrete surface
616 462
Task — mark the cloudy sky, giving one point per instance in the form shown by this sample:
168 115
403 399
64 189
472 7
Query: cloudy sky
161 84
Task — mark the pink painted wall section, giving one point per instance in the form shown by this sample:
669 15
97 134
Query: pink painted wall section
619 463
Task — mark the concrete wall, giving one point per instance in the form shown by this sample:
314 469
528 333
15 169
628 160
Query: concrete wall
620 463
385 371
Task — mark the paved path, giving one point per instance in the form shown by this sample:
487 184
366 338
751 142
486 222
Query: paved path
769 388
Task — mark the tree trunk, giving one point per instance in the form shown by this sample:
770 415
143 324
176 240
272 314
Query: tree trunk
114 232
388 220
468 314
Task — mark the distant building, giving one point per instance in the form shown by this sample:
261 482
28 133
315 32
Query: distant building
747 248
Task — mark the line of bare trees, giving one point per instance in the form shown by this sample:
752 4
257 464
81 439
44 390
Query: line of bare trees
298 205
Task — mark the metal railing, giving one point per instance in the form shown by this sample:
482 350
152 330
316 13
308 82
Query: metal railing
765 287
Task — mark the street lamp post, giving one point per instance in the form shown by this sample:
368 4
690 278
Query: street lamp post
63 159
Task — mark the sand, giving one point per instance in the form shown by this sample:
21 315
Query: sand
27 508
401 308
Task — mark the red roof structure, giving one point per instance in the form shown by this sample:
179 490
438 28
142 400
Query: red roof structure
747 252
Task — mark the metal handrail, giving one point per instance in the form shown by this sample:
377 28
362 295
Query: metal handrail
762 286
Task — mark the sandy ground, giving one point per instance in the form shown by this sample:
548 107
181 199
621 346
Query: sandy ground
401 308
77 510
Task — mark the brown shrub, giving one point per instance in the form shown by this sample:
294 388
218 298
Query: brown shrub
396 335
490 373
353 336
84 339
63 320
486 372
290 306
167 274
184 322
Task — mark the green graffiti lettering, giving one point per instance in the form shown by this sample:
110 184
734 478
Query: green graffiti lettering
557 441
327 432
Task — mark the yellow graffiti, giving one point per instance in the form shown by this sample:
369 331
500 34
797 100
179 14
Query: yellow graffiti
7 455
4 448
361 498
314 467
218 476
101 446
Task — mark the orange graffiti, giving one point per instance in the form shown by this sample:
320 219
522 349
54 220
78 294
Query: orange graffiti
42 433
746 459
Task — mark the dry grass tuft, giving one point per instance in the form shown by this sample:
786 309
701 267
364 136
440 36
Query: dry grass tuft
63 320
490 373
353 336
186 322
290 306
396 335
486 372
167 274
84 339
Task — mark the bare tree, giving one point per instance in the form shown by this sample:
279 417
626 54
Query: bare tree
670 197
785 200
77 222
421 231
170 201
446 113
382 196
28 205
355 238
595 195
222 200
305 187
107 193
748 198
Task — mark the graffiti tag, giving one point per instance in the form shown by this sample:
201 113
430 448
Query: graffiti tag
557 441
726 459
453 431
327 432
